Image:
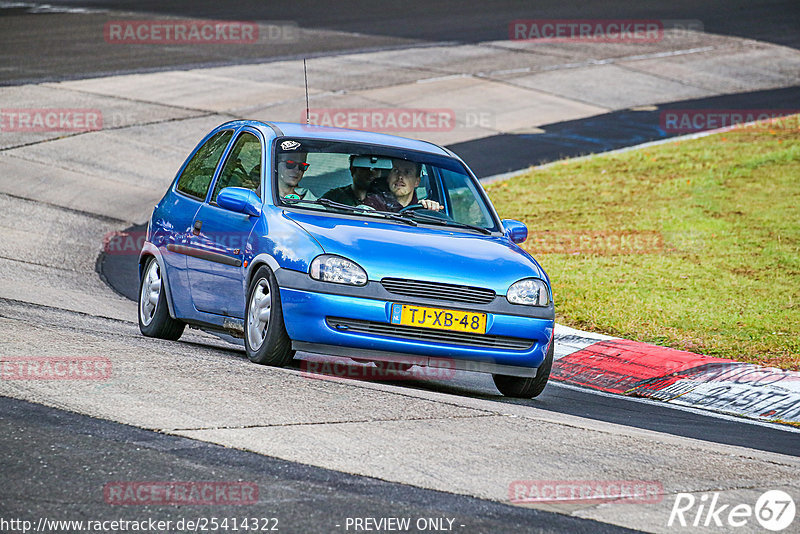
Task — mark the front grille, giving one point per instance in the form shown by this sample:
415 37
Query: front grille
437 291
428 334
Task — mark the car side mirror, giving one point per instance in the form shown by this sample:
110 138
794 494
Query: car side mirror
240 200
516 231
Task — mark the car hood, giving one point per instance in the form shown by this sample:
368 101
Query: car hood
430 253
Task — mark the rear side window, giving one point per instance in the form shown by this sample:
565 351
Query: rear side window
196 177
243 166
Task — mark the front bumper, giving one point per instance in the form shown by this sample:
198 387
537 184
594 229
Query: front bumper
323 322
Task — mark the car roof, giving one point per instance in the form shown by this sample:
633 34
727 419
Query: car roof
291 129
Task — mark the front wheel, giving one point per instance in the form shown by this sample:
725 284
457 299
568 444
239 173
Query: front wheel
265 338
526 388
154 319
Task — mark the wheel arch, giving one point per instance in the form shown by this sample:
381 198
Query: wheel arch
151 251
258 261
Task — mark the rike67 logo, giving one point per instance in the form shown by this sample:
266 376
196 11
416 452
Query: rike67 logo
774 510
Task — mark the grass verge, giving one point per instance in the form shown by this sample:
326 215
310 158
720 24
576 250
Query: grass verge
692 244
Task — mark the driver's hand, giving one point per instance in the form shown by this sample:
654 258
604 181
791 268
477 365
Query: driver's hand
429 204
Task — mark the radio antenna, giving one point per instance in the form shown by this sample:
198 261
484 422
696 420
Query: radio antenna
305 76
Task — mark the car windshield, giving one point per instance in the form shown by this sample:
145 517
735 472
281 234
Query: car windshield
377 181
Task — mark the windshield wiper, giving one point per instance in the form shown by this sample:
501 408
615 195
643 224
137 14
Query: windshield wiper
327 203
355 209
448 222
395 217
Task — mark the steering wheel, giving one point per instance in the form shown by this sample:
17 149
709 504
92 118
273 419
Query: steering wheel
428 212
411 207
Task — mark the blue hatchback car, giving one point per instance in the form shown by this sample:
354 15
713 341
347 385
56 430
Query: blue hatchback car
346 243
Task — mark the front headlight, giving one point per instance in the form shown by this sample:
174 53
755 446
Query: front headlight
336 269
530 291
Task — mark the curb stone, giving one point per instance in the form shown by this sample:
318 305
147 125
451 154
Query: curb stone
674 376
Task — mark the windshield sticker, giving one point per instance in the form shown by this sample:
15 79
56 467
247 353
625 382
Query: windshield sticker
290 145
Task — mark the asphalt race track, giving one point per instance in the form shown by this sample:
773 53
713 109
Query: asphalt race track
323 450
63 54
302 498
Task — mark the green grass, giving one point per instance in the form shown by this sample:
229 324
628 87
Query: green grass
693 245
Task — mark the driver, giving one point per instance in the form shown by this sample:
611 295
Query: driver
403 181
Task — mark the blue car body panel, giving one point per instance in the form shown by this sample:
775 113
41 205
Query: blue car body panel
427 253
209 254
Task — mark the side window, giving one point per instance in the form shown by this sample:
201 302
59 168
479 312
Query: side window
424 188
196 177
464 199
243 166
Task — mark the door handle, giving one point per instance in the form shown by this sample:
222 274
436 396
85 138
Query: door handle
197 225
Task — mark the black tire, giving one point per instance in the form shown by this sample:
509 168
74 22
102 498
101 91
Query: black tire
275 347
156 322
526 388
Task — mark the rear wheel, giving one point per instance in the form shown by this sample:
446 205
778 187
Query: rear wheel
526 388
154 319
265 337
